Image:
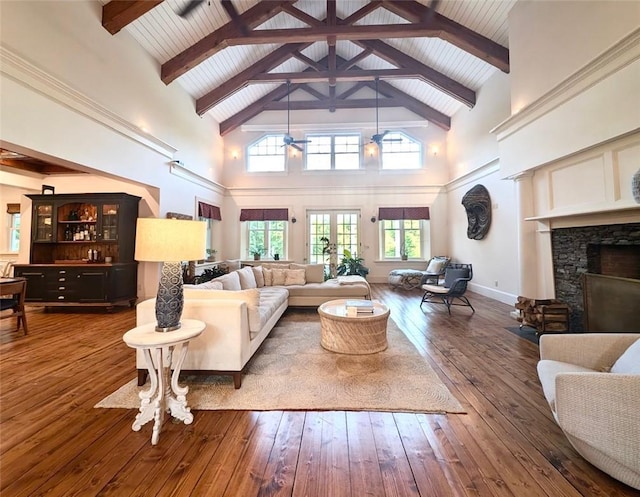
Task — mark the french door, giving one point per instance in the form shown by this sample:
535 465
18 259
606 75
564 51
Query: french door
339 228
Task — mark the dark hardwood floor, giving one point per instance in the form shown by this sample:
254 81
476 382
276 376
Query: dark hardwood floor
53 442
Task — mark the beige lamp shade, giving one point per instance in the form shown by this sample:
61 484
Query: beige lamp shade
170 240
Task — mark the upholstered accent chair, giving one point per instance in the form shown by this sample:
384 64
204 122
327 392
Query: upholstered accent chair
592 384
456 277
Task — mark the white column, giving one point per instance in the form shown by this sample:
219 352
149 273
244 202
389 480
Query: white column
526 230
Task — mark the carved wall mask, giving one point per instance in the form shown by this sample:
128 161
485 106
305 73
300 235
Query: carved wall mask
477 203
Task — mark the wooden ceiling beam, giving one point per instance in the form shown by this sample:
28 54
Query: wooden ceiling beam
216 41
119 13
301 15
313 92
352 90
233 14
436 79
360 13
413 104
350 75
243 78
449 30
254 109
340 32
357 103
310 62
354 60
394 98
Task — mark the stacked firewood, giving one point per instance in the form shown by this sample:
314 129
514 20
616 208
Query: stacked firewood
544 315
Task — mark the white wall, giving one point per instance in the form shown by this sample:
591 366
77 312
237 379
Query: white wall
575 101
549 40
473 159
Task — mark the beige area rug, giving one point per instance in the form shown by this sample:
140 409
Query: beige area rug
291 371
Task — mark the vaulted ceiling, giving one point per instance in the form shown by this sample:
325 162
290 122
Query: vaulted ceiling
235 57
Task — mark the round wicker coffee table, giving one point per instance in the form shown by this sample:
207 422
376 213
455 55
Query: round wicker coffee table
361 334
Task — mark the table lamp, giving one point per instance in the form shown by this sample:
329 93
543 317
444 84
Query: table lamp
169 241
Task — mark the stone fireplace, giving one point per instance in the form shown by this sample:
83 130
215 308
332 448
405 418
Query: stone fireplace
612 250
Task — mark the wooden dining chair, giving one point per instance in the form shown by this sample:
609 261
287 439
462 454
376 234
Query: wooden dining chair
13 293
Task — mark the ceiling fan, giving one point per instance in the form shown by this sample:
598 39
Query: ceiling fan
190 6
288 139
378 138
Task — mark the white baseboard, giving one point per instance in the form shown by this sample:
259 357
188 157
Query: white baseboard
492 293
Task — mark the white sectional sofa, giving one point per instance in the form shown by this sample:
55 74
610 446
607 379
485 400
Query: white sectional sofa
242 307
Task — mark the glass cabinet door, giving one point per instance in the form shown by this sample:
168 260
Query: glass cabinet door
43 223
110 222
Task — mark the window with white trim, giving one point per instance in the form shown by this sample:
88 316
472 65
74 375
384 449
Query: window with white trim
404 236
266 155
267 237
14 232
333 152
400 151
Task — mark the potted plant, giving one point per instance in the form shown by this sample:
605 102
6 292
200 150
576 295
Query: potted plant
351 264
257 251
211 255
403 254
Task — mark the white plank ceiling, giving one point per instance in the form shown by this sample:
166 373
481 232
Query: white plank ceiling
163 34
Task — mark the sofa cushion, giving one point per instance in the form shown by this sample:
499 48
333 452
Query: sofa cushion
547 372
275 265
329 288
229 281
294 277
258 275
270 299
207 285
629 361
279 277
313 273
268 276
247 279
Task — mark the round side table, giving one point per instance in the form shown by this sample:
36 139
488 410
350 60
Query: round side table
164 395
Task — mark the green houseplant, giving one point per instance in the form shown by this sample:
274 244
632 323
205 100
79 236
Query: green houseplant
257 251
351 264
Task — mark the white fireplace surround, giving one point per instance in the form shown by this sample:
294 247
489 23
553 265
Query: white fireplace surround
576 175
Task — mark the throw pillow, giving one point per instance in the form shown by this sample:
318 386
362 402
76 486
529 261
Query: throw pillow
294 277
629 362
436 265
258 275
229 281
313 273
268 276
247 279
278 276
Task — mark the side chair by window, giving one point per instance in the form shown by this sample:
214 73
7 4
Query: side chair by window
456 277
12 293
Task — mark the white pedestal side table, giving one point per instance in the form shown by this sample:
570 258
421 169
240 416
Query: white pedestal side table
164 395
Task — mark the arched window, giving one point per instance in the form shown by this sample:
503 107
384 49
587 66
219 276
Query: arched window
266 155
400 151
